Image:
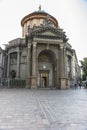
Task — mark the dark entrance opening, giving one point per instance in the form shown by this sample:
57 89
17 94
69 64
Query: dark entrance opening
44 80
13 74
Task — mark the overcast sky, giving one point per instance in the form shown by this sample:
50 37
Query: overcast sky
71 16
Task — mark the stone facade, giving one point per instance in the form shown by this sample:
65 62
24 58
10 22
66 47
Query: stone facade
2 65
43 56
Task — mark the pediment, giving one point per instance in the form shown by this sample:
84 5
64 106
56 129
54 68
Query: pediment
48 31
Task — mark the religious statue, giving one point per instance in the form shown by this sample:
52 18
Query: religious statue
39 7
46 20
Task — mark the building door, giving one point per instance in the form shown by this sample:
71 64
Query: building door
44 78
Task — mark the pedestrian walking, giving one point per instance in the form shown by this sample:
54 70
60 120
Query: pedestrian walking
80 85
75 85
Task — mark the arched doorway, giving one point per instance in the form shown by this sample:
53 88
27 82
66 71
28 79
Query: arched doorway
46 69
13 74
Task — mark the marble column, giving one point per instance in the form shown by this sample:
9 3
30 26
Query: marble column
61 60
34 81
63 79
34 59
37 69
28 80
65 67
65 62
57 73
8 66
18 63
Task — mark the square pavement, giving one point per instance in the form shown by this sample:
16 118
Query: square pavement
27 109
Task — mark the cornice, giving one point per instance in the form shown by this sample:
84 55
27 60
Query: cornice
50 41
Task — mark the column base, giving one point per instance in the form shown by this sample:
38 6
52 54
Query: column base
28 83
33 82
64 83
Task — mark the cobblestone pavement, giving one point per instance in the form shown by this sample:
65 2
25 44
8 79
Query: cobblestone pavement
24 109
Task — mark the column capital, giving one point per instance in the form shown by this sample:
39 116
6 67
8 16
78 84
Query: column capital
29 45
34 44
64 48
61 46
18 50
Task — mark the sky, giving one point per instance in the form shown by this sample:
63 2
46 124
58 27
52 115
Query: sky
71 16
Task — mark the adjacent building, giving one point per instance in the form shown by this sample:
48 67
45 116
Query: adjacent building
76 70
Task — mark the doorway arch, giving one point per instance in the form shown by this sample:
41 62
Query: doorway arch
46 69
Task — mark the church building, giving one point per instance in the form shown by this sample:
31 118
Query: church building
43 56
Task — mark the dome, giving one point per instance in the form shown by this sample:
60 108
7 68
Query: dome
36 19
38 15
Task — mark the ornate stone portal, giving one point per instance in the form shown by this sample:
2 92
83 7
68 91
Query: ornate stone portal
41 55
